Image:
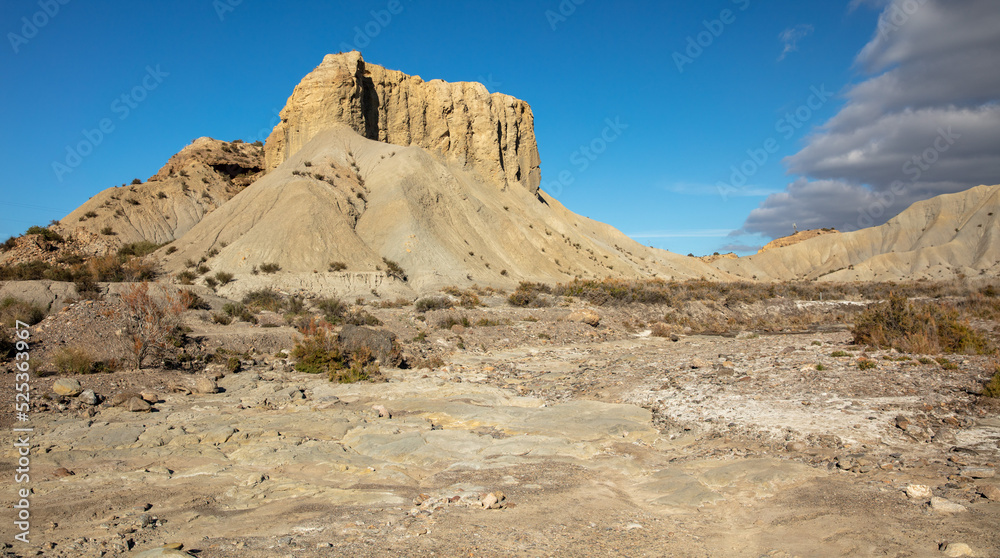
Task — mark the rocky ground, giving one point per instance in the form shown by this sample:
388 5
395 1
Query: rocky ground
534 435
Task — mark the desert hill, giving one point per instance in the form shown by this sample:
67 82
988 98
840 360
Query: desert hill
343 198
795 238
939 238
197 180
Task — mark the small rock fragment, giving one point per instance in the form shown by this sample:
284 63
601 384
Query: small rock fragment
382 411
493 501
88 397
62 472
942 505
150 396
698 362
918 492
954 550
796 446
589 317
67 386
902 422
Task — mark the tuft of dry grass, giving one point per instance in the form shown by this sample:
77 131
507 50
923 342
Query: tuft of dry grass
923 328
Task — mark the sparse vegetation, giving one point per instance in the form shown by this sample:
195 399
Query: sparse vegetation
146 323
14 309
223 277
73 360
337 266
393 269
264 299
992 387
429 303
270 268
107 230
46 234
926 328
866 364
318 352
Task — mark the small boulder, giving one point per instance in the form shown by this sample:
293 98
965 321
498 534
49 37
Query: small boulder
67 386
979 472
381 343
589 317
88 397
205 385
989 491
701 363
150 396
137 405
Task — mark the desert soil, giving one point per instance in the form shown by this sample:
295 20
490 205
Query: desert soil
597 441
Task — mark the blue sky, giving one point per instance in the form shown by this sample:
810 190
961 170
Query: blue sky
769 81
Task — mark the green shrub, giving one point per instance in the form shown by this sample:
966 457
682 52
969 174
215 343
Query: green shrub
332 308
72 360
337 266
837 354
361 318
136 181
107 231
45 233
239 311
264 299
9 244
433 303
866 364
450 321
90 214
393 269
528 295
138 249
186 277
223 277
992 387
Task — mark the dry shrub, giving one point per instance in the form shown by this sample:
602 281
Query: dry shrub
73 360
14 309
992 387
429 303
528 295
660 329
145 325
927 328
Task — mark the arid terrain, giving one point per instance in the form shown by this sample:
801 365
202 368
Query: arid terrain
602 439
375 335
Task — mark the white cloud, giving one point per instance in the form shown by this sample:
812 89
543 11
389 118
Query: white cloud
927 121
790 38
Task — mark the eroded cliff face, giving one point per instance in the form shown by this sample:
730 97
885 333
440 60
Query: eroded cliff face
464 123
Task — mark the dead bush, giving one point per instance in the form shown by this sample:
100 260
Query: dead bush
73 360
145 325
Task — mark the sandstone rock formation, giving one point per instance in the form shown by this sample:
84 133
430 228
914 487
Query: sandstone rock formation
346 198
941 238
491 133
194 182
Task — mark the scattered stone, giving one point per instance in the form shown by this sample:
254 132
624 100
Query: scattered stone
458 329
918 492
150 396
698 362
205 385
382 412
796 446
119 399
67 386
88 397
589 317
990 492
137 405
979 472
493 501
954 550
902 422
942 505
62 472
163 552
